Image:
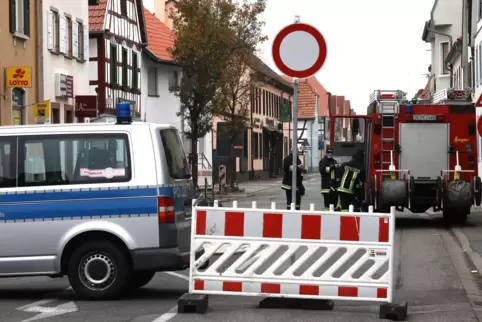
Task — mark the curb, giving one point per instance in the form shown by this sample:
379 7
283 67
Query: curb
252 194
473 256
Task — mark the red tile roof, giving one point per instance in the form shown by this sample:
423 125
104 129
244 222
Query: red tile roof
97 16
308 89
159 36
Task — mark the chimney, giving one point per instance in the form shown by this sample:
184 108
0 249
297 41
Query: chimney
160 9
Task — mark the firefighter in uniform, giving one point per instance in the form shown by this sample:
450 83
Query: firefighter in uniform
288 179
328 180
353 176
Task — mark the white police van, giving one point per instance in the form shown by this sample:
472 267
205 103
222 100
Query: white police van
108 205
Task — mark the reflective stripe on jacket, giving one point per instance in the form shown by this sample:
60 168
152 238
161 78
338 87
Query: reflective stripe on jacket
349 179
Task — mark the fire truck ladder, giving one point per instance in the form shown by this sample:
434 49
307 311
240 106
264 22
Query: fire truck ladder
388 107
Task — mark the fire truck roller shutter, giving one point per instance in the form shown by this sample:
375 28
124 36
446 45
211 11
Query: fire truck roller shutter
459 194
393 193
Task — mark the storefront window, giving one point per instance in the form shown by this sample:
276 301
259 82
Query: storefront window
18 106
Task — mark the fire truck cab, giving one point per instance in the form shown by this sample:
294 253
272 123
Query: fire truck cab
418 155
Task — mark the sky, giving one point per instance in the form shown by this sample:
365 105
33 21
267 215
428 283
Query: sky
372 44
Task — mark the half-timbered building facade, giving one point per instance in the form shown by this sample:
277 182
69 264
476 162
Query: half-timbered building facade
117 34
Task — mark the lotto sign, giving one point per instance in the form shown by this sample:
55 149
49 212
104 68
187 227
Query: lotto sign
19 76
299 50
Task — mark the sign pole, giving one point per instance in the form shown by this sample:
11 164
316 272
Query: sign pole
295 141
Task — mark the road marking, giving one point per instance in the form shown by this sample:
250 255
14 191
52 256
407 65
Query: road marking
184 277
47 312
172 312
167 316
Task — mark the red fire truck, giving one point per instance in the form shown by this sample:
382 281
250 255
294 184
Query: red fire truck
418 155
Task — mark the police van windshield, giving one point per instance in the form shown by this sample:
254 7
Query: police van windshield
349 130
175 155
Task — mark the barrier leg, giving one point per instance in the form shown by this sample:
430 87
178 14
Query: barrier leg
192 303
394 312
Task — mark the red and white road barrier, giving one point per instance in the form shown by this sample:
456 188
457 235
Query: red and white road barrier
338 255
222 175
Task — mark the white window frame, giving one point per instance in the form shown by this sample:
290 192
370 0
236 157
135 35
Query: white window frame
156 81
442 58
19 16
479 58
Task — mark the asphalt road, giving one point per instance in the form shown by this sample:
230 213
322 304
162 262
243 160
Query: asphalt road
432 274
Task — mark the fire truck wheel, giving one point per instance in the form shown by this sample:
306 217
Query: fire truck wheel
478 191
455 216
459 195
439 190
393 193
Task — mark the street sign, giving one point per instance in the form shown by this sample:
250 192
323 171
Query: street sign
285 113
479 101
479 125
299 50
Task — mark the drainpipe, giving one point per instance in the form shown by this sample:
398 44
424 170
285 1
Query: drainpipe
465 53
40 52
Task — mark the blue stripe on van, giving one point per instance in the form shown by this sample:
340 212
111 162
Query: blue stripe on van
84 203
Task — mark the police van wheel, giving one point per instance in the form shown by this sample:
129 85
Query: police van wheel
99 270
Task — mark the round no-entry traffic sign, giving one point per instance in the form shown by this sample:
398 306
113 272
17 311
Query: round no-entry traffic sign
299 50
479 125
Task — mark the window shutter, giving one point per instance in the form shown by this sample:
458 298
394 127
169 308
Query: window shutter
86 43
13 16
75 39
50 30
26 17
62 35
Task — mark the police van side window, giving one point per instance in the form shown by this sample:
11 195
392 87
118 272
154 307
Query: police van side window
175 155
8 164
74 159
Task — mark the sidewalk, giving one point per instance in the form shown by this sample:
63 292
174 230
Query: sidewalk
252 188
470 239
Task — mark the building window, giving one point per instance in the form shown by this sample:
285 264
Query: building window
80 41
68 37
480 9
480 63
44 160
152 82
8 163
135 71
53 31
123 7
254 146
18 106
113 64
444 51
264 101
124 67
19 17
173 80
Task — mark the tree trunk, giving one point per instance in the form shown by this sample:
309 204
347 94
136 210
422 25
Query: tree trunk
194 158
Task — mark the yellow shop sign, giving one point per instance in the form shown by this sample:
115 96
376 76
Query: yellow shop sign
19 76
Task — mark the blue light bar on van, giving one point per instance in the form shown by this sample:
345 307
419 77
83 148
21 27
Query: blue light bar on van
124 113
